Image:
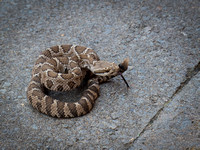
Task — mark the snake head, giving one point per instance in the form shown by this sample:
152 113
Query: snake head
104 68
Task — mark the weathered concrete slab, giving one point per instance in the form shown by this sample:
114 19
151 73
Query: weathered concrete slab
161 40
178 125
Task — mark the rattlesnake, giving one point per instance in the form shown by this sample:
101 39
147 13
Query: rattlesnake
62 68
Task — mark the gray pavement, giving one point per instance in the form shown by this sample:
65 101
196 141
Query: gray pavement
159 111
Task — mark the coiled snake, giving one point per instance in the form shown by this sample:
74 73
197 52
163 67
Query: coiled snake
62 68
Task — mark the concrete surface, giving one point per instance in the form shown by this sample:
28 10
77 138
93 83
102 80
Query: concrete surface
159 111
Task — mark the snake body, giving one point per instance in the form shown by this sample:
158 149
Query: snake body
63 68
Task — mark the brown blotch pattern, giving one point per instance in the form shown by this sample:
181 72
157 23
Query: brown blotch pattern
94 88
73 64
80 49
59 81
30 99
49 84
47 53
72 108
40 60
52 74
36 79
46 66
55 49
49 102
74 58
61 109
89 51
70 53
66 48
63 60
60 88
39 106
93 58
82 56
71 84
33 85
38 94
52 62
93 94
66 76
78 72
37 70
83 103
85 94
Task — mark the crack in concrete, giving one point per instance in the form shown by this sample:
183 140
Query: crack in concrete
189 76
